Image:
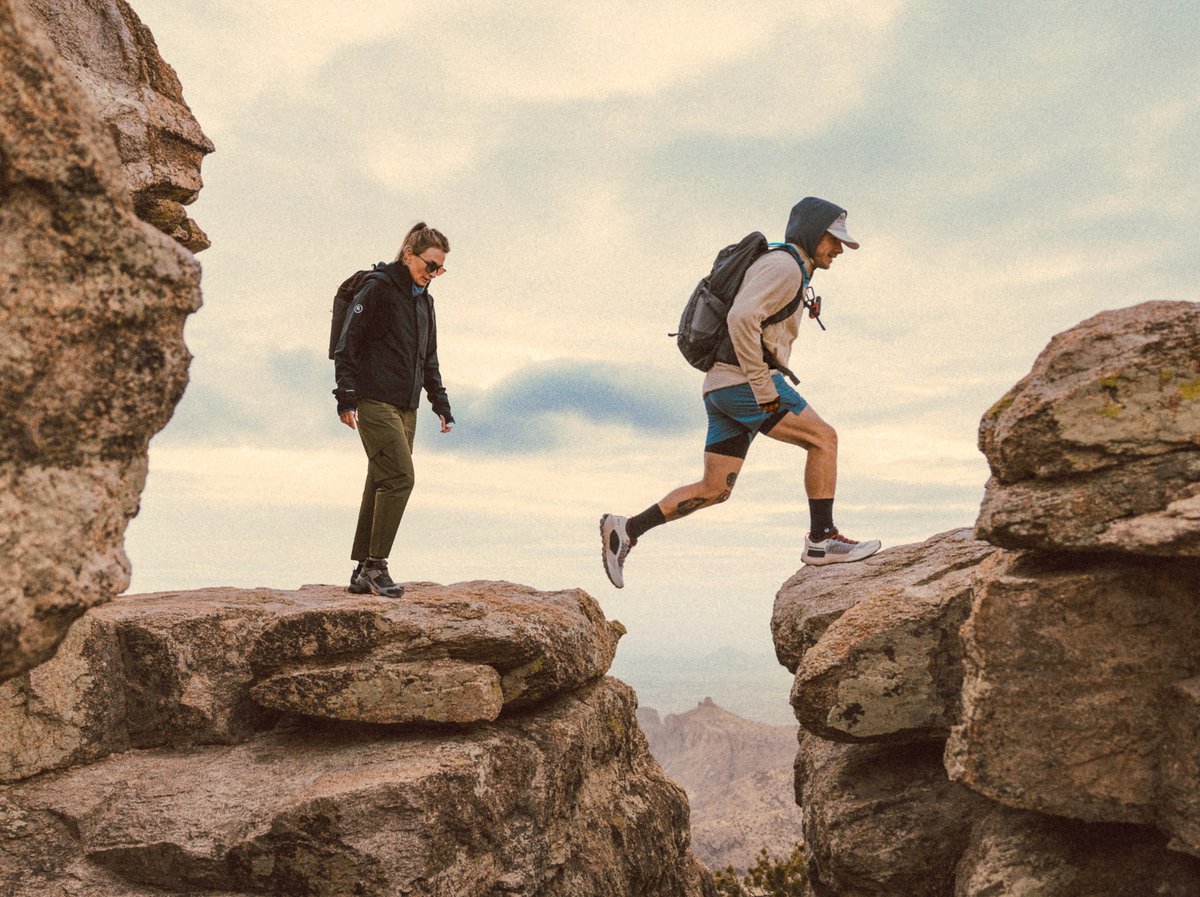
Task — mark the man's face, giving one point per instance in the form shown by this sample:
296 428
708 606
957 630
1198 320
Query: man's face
827 250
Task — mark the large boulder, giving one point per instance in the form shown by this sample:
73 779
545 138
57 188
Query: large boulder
880 657
138 96
1076 669
1015 852
92 307
1097 448
813 597
564 801
882 820
219 665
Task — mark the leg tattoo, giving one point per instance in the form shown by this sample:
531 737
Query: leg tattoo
688 505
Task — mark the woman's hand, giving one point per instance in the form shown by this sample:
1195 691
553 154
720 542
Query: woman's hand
446 427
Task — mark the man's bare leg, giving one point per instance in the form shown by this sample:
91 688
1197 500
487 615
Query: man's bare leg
811 433
619 534
720 474
823 544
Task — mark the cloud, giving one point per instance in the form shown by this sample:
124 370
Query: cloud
284 398
543 406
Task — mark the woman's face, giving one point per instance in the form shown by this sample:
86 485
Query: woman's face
419 265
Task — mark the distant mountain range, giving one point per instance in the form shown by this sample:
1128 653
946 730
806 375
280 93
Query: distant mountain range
738 777
751 684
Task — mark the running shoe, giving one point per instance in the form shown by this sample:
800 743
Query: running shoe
836 549
616 545
375 577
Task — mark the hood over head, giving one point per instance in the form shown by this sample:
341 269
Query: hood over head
809 220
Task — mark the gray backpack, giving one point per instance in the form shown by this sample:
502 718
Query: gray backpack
703 335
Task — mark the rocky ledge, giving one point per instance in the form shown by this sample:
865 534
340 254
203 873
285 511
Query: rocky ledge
462 740
1020 712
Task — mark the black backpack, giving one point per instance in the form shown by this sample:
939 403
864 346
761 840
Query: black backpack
703 335
341 302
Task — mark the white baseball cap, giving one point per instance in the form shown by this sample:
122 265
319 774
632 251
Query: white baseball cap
838 229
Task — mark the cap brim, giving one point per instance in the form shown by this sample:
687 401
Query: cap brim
845 238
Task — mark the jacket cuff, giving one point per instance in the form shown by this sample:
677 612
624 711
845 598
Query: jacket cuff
347 400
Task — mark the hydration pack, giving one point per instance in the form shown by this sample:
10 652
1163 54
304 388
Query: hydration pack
703 335
341 302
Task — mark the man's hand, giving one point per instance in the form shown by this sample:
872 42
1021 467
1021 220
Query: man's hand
350 419
770 407
447 426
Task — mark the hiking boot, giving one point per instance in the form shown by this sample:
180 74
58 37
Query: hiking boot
356 587
836 549
615 547
375 578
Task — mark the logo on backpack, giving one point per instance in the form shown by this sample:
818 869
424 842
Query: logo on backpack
703 335
342 300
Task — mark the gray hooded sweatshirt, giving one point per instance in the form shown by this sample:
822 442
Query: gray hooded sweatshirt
770 284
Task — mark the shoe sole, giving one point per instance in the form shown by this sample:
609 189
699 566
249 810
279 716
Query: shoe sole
399 593
825 559
604 554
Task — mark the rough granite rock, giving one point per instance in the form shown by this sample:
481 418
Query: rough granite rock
882 819
1179 766
92 306
1021 853
1069 667
139 97
448 691
890 667
813 597
561 801
1098 448
218 665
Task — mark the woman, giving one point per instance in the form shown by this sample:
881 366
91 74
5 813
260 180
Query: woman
387 352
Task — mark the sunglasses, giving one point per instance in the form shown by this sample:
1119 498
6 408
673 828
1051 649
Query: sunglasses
432 267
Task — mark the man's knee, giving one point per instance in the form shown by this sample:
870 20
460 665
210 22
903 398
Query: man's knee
830 437
820 435
717 491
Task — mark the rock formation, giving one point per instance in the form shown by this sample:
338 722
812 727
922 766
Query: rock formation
1022 714
737 775
138 97
93 133
1098 448
463 741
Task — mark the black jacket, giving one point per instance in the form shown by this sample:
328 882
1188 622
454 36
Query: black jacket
388 347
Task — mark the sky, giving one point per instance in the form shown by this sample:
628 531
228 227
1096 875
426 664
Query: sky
1009 170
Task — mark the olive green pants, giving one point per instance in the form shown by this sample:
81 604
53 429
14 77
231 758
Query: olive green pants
387 435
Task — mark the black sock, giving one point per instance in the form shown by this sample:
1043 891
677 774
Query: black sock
820 512
648 519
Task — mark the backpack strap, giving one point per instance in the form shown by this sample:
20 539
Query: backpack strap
787 311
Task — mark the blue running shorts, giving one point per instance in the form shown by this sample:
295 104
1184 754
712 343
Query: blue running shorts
735 418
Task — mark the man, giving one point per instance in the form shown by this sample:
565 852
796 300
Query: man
745 397
386 354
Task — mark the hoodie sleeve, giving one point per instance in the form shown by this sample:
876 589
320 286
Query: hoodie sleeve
770 284
360 316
